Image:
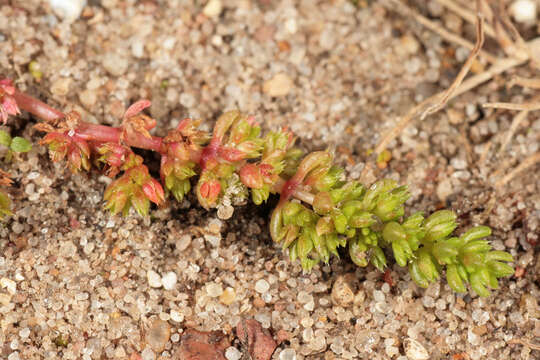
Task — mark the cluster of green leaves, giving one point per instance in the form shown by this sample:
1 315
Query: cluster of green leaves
238 156
369 220
16 144
13 145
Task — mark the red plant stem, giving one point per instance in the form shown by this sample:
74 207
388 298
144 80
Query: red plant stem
36 107
104 133
88 131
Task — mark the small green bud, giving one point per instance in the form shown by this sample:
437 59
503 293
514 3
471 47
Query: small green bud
260 195
439 225
332 242
444 252
293 252
361 220
399 253
462 271
454 280
324 226
414 222
289 234
330 179
20 145
417 276
351 207
340 222
500 269
499 256
378 259
476 246
426 266
380 187
304 245
478 284
290 212
322 203
477 232
389 205
472 261
319 244
307 264
393 231
357 252
5 138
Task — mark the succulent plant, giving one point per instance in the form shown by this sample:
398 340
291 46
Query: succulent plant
319 210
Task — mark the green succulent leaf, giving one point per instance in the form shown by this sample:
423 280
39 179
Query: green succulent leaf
5 138
454 279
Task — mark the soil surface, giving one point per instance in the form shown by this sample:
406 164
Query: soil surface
78 283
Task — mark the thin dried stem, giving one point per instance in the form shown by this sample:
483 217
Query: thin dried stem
524 343
462 73
467 15
435 27
513 106
497 68
533 83
525 164
518 119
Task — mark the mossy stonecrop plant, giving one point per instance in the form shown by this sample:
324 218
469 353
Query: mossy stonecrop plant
318 212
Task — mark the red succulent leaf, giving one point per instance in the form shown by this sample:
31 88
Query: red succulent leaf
154 191
250 175
136 108
210 189
231 154
8 105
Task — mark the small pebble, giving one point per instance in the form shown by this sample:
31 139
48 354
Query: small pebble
287 354
213 8
88 98
214 290
154 280
280 85
169 280
148 354
68 10
158 335
176 316
414 350
342 293
61 86
115 64
228 296
9 284
524 11
262 286
233 353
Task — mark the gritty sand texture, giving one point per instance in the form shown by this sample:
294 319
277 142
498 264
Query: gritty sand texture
78 283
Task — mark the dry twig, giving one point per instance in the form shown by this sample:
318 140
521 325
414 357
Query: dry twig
513 106
445 34
462 73
524 343
497 68
533 83
525 164
468 15
515 124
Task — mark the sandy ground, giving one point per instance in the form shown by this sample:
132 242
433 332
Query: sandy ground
81 284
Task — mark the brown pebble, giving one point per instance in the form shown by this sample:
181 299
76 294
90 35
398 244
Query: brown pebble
158 334
343 290
283 335
257 340
198 345
258 302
